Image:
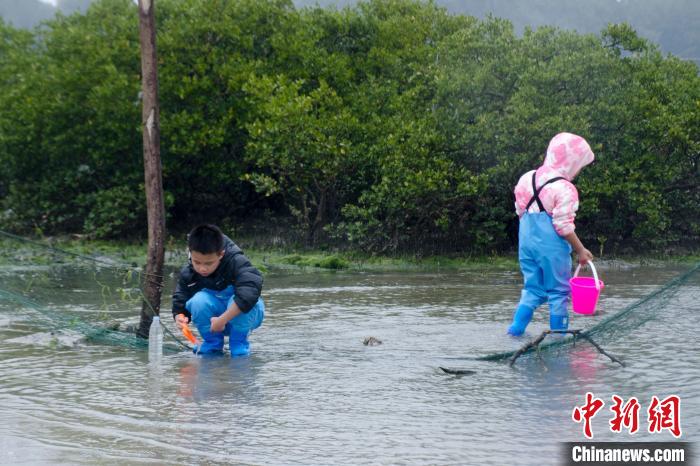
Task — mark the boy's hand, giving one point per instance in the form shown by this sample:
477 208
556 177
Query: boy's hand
584 255
218 324
181 320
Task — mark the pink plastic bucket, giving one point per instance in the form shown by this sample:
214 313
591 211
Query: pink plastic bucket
585 291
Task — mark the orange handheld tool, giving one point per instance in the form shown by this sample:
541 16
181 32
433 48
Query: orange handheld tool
188 334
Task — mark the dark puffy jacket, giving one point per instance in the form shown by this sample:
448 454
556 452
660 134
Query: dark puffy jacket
235 269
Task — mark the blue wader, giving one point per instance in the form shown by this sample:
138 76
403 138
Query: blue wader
206 304
545 262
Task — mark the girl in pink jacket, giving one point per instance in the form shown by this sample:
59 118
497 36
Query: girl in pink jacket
546 202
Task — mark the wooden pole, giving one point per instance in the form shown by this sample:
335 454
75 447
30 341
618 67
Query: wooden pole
150 119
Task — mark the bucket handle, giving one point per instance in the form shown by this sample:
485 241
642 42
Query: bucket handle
595 274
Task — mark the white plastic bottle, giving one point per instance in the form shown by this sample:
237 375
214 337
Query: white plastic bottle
155 340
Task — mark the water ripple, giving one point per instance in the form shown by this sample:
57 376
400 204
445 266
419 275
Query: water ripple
312 393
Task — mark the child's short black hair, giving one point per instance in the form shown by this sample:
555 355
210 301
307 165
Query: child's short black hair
205 239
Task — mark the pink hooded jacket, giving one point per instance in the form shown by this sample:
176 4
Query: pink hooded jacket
566 155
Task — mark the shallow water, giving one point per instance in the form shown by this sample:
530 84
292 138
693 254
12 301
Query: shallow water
312 393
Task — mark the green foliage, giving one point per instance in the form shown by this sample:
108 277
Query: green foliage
207 51
392 126
304 142
70 119
420 200
117 212
331 262
114 212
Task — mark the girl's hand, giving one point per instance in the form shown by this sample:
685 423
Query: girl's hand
584 255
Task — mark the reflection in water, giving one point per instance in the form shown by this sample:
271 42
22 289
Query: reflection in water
216 377
585 360
312 393
154 379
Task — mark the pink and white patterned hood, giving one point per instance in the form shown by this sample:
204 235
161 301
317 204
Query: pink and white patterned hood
566 155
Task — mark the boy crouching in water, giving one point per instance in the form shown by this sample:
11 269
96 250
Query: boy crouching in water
218 290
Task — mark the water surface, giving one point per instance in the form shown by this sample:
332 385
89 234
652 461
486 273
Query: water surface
312 393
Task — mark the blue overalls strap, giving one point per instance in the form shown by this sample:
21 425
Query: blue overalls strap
536 191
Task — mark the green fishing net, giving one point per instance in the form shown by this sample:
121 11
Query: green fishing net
72 297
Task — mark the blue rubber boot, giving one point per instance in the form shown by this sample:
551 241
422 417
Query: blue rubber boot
558 322
238 343
213 343
521 318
